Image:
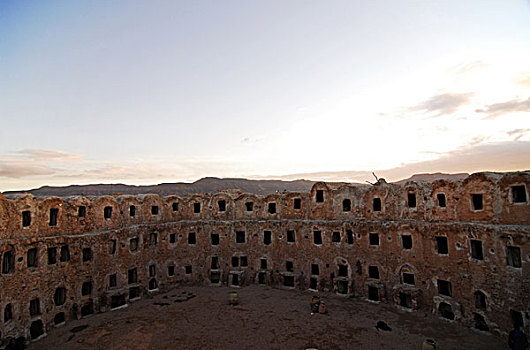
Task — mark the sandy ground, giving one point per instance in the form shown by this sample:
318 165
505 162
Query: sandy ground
201 318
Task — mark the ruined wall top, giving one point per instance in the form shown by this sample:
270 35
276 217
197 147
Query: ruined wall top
498 198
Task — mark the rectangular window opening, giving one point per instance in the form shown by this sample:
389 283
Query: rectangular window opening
315 269
65 253
133 244
349 236
262 278
197 207
172 238
113 280
214 238
373 271
342 287
8 262
87 254
376 204
408 278
313 283
289 266
477 201
235 261
132 211
343 271
112 246
519 194
374 239
513 256
444 288
297 203
263 264
441 245
406 240
32 257
373 293
222 205
317 237
249 206
240 236
154 210
319 196
335 237
272 208
52 255
132 276
171 270
117 301
291 236
86 288
288 281
191 238
26 218
54 212
411 200
346 205
175 206
267 237
405 300
441 200
81 211
107 212
34 307
476 250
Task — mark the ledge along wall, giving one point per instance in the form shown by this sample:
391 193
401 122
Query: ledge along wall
459 249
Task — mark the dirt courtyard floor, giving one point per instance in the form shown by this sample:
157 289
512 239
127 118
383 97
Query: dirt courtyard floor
266 318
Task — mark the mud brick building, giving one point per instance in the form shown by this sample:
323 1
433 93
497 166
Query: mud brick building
460 249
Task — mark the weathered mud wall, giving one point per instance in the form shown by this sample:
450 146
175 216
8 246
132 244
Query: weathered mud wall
458 249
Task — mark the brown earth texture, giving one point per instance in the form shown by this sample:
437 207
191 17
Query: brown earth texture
266 318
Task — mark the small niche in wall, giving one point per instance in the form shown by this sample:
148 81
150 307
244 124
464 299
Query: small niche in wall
441 200
376 204
477 201
297 203
54 212
107 212
26 218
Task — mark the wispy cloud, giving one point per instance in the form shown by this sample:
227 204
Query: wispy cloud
18 169
47 155
32 162
466 67
497 109
443 104
503 156
523 79
518 133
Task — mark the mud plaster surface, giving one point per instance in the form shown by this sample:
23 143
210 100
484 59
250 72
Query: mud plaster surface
266 318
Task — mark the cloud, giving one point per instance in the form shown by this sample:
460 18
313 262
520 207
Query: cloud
497 109
523 79
503 156
442 104
47 155
466 67
21 168
518 133
32 162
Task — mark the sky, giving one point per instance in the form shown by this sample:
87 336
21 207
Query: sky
145 92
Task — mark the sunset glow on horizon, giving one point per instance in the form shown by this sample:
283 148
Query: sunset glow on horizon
142 92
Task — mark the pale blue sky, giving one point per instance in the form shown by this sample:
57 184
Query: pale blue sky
151 91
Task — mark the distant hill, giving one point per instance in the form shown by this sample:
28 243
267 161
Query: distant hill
433 177
207 184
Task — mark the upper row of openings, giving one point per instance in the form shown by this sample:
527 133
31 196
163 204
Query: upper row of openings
518 193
